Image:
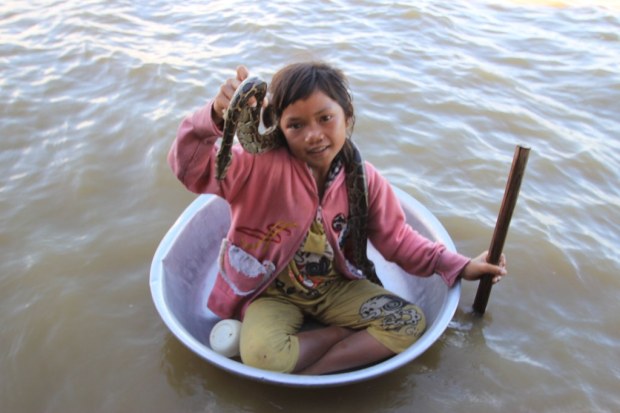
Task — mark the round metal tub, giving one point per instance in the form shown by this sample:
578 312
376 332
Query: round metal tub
185 265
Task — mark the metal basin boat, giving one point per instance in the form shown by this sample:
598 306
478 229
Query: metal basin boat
184 268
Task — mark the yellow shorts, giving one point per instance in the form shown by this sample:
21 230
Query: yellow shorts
271 322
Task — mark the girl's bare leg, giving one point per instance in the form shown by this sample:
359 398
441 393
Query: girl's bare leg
335 348
313 344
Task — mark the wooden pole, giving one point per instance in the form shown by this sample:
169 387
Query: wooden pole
509 201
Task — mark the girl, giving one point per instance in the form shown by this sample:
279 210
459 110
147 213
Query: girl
282 258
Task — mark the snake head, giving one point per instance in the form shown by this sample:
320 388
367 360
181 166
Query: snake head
250 87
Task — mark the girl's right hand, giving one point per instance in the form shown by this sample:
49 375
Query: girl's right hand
227 90
479 266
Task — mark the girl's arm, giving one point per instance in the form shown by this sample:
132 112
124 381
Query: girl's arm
193 153
398 242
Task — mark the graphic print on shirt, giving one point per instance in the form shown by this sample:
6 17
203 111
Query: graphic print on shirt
339 222
313 261
339 225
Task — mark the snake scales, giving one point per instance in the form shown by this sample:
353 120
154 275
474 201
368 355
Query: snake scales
244 120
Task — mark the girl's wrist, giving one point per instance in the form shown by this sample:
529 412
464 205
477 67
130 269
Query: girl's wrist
217 119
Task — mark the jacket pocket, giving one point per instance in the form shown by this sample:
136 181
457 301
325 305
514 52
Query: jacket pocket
242 271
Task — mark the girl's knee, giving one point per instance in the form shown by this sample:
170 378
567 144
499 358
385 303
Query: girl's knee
400 330
267 335
412 332
267 355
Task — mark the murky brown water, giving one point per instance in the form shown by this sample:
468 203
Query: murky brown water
91 93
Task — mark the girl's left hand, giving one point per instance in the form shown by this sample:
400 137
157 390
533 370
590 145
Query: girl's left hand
479 266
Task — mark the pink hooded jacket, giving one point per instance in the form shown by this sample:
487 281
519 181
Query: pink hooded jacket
274 199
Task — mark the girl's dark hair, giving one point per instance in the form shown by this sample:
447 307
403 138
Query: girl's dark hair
299 80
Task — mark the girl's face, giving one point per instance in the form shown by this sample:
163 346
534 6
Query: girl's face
315 130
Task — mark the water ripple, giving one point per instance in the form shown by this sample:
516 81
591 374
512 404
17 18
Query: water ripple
91 94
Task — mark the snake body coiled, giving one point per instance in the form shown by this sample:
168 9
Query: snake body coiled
244 121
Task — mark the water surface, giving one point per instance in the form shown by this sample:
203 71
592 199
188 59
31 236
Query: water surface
91 94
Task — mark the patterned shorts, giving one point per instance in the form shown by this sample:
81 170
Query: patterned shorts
271 322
